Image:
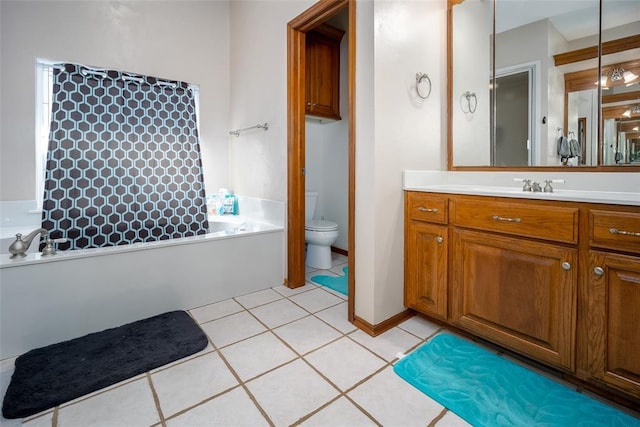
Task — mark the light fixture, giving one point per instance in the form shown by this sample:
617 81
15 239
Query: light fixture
602 82
630 111
618 74
629 77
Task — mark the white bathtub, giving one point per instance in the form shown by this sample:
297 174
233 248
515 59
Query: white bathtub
44 300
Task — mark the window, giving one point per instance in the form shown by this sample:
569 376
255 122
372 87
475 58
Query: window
44 90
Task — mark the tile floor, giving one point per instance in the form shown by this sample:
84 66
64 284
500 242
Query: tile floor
276 357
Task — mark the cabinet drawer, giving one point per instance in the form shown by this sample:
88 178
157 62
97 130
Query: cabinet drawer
546 222
427 207
615 230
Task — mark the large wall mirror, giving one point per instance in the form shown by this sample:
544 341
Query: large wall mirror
538 94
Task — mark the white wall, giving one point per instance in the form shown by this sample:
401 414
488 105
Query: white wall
186 40
258 161
394 130
327 159
409 37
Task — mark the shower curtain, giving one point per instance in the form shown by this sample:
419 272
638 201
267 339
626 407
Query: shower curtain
123 164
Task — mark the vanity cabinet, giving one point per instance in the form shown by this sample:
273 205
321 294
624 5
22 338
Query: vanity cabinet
323 72
520 293
555 281
517 293
613 288
426 251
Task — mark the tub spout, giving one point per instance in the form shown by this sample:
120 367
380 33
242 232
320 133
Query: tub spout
19 247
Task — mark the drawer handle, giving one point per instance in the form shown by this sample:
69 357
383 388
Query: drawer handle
433 210
623 233
439 239
566 265
501 218
598 270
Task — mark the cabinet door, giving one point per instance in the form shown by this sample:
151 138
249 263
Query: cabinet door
425 288
517 293
322 76
614 320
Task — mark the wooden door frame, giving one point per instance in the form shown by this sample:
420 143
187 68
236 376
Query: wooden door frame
296 33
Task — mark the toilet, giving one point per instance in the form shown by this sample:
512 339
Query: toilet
319 235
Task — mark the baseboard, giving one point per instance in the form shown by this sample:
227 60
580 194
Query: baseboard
377 329
339 251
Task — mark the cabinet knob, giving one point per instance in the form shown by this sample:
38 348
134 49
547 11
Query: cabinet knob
599 271
439 239
566 265
308 104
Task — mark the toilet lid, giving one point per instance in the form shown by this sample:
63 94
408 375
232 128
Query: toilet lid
318 225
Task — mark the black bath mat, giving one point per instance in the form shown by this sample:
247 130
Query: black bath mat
48 376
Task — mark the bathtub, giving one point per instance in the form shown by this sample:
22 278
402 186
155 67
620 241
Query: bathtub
44 300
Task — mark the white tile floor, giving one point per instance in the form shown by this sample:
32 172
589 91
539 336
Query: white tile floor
276 357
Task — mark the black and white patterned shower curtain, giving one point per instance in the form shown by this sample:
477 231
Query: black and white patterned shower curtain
124 163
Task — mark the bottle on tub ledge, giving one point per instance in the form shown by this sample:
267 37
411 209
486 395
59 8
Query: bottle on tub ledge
227 203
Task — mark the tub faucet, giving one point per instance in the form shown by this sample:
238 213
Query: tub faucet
19 247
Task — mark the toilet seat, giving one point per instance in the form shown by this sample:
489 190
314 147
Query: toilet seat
319 225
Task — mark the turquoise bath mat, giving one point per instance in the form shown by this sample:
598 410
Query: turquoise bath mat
338 284
488 390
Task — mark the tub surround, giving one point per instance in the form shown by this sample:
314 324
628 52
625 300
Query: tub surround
602 187
51 299
234 226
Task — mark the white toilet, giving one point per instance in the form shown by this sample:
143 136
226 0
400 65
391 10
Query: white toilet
319 235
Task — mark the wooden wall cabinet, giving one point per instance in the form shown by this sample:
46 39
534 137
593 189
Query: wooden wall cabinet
323 72
558 282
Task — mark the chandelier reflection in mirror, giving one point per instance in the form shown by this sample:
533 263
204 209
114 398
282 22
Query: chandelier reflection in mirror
618 76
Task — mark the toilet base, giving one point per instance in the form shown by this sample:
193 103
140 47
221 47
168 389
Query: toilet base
318 256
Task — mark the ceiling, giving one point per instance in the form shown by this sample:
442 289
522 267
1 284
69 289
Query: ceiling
574 19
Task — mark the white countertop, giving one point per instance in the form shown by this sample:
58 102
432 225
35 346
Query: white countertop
610 197
610 188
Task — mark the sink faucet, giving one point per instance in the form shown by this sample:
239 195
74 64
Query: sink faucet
535 187
19 247
548 188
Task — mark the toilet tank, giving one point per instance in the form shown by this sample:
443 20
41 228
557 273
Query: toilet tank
310 198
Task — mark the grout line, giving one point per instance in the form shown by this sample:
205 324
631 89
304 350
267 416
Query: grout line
438 417
54 418
244 386
156 399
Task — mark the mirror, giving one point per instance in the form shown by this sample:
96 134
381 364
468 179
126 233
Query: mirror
540 107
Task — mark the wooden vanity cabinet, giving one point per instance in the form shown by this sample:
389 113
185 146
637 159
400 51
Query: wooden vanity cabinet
323 72
558 282
515 291
613 288
426 251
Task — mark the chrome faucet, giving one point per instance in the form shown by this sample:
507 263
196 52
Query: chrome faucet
19 247
535 187
548 188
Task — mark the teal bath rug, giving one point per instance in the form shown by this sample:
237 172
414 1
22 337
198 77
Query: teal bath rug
338 284
488 390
